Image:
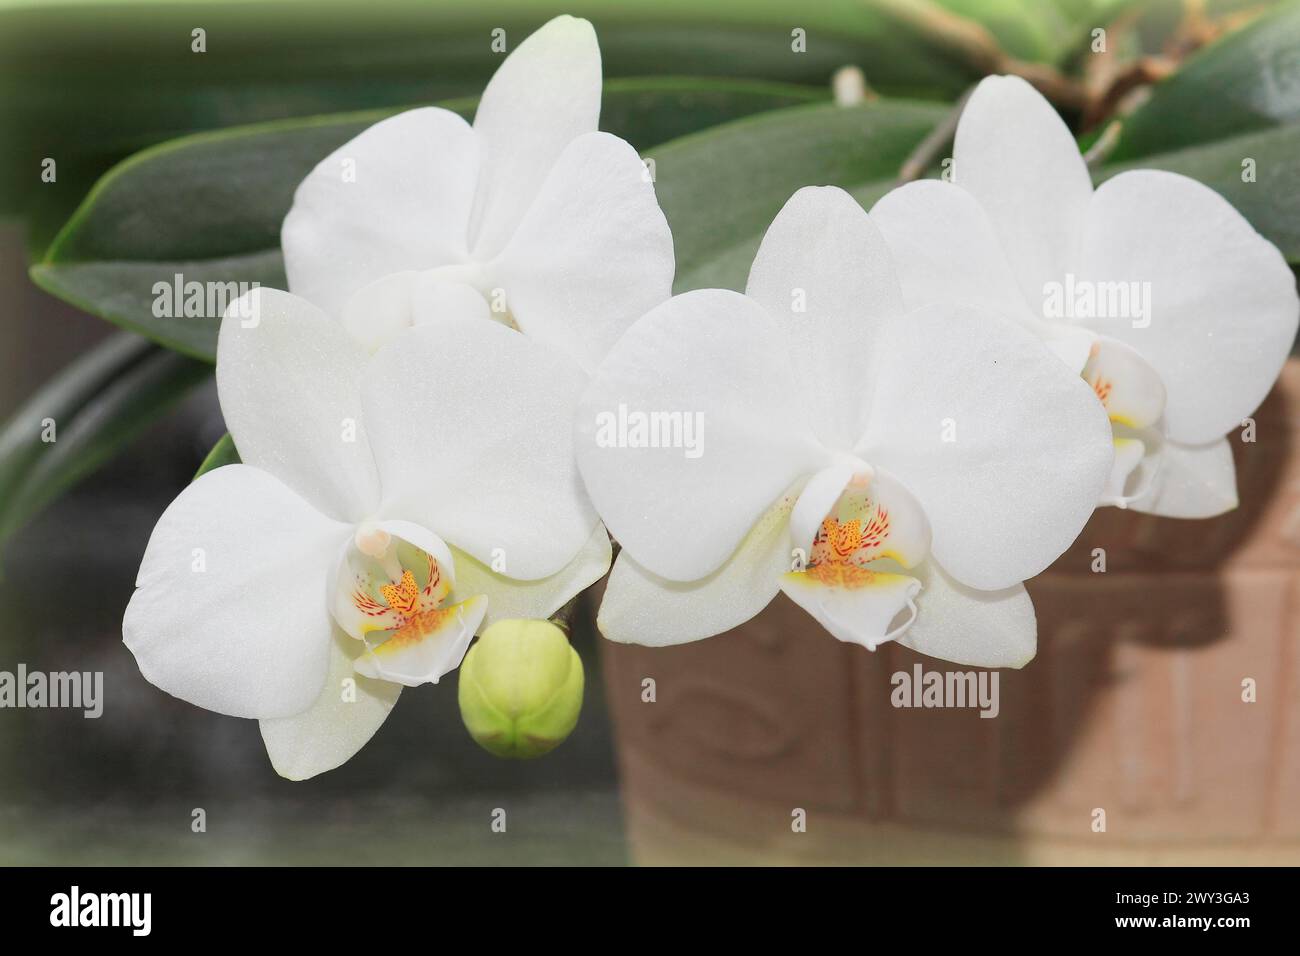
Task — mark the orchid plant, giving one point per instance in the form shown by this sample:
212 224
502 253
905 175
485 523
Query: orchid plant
478 367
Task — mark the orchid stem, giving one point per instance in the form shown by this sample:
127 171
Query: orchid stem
564 617
935 142
1099 151
975 45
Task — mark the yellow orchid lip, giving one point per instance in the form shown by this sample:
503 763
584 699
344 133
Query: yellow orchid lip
426 646
415 629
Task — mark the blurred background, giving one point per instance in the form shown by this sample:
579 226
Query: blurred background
1134 704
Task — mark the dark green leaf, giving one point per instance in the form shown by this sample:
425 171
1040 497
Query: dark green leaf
1247 82
1046 31
721 188
88 84
1228 119
96 405
222 453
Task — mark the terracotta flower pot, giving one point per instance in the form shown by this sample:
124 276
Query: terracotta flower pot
1133 706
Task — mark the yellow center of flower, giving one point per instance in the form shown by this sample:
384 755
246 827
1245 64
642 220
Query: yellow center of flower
401 600
402 596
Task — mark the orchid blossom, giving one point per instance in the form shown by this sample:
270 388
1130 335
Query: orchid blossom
897 474
530 216
1152 287
388 504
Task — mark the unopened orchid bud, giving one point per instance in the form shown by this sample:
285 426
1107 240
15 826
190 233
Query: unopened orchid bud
521 688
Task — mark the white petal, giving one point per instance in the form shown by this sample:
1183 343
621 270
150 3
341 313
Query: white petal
642 608
472 428
976 628
509 598
346 714
395 198
1223 306
288 377
824 273
1006 449
1015 155
386 308
592 255
680 500
945 250
431 646
1193 481
545 94
1072 344
230 607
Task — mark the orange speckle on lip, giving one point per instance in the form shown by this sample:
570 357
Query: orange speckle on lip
1102 387
415 629
403 596
840 574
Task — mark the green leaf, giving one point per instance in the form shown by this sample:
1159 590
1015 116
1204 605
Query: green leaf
1228 118
1271 201
88 84
1046 31
222 453
208 207
721 188
1247 82
96 406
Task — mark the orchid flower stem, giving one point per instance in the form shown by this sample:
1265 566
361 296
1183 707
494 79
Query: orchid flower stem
1099 151
563 618
939 138
973 43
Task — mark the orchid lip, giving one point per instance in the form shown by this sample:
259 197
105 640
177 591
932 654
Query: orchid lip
1146 467
1134 398
392 594
868 527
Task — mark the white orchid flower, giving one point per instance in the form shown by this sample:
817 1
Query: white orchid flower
1152 287
386 503
897 474
551 226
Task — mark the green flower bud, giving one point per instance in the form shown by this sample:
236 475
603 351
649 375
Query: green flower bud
521 688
